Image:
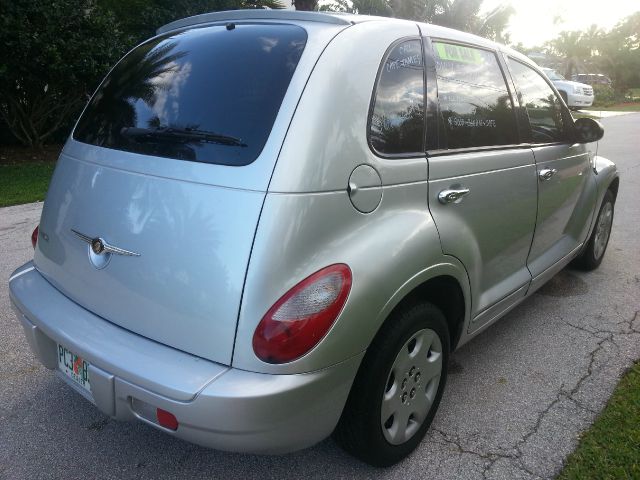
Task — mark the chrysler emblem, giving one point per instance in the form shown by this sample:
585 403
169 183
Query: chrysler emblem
99 246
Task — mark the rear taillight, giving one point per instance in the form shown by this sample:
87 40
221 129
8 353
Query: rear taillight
302 317
34 238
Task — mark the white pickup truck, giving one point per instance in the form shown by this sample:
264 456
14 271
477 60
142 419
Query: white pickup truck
576 95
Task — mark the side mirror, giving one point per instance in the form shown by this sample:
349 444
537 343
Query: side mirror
588 130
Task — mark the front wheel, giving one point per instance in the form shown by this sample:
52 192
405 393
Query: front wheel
398 387
592 256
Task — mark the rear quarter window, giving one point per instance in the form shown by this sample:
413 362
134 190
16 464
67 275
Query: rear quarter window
397 121
208 94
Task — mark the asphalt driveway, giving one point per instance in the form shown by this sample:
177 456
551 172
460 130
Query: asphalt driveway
517 399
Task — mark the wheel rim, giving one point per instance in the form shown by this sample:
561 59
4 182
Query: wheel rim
603 230
411 387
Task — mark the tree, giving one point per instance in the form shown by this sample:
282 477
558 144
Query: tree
362 7
619 53
55 53
140 18
306 5
47 66
592 38
459 14
616 52
572 47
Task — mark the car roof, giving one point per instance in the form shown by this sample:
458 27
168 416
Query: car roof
264 14
338 18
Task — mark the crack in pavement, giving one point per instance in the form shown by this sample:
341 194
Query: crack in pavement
490 457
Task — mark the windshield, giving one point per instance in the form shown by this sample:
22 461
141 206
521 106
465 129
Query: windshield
552 74
206 94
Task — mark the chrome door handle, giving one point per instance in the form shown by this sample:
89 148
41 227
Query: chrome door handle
452 195
547 173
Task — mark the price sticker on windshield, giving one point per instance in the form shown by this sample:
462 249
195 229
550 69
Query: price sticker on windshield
458 53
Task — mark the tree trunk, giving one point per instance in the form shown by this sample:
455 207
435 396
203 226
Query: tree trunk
306 5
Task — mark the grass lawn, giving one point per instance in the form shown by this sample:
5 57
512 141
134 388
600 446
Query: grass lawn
619 107
610 449
577 115
24 182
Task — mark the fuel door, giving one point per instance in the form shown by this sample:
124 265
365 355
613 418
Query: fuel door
365 188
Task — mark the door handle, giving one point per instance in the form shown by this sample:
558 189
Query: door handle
547 173
452 195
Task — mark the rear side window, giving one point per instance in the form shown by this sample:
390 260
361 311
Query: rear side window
206 94
397 120
543 107
474 100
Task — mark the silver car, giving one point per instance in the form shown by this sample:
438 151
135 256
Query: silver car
268 226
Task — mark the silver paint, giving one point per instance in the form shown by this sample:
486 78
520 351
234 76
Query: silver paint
220 245
412 384
365 188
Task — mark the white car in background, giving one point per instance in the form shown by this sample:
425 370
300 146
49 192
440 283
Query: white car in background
576 95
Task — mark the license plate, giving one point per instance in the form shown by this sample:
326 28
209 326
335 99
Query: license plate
74 367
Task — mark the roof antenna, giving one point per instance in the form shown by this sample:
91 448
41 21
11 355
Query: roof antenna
231 26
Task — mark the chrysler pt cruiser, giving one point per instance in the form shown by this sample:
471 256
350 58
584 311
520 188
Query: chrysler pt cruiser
271 226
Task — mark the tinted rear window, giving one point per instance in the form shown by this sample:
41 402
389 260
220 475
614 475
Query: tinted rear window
207 94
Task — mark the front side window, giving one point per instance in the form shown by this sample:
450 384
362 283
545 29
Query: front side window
206 94
474 100
397 120
543 106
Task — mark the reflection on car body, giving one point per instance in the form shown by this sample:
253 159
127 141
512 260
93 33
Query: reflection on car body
272 226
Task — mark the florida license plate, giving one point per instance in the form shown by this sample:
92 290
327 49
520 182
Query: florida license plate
74 367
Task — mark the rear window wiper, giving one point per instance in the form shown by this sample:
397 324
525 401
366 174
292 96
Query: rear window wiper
185 135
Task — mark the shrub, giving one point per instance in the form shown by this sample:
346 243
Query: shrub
605 96
54 55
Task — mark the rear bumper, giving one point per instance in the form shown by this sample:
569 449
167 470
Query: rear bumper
216 406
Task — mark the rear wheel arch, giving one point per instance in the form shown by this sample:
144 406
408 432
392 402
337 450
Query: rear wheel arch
614 186
436 307
445 293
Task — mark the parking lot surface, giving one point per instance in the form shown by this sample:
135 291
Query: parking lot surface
517 399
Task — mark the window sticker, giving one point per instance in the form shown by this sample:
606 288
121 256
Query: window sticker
411 56
471 122
458 53
406 62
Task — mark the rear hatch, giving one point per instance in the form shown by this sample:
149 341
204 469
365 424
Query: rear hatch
168 166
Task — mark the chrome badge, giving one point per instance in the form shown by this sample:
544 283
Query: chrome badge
97 246
100 251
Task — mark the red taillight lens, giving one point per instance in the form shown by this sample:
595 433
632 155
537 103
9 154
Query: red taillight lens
302 317
166 419
34 237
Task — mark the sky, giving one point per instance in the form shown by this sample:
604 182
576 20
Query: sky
537 21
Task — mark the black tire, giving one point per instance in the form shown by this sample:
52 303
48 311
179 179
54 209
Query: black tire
360 431
591 257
